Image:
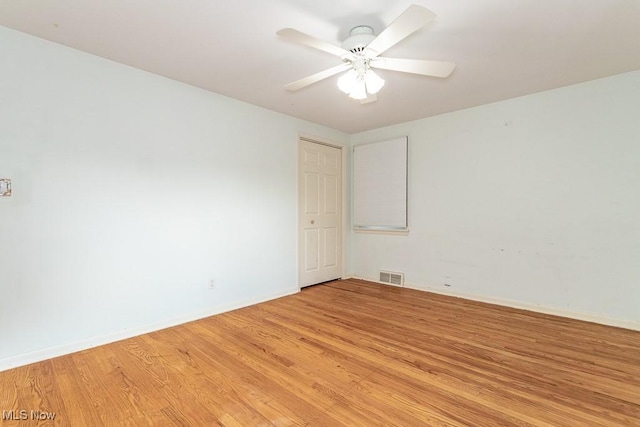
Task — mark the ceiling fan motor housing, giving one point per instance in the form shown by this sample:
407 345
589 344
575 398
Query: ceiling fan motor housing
359 38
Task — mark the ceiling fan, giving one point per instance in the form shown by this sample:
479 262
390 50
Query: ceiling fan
361 52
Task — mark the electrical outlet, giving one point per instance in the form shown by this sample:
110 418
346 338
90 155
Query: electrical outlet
212 284
5 187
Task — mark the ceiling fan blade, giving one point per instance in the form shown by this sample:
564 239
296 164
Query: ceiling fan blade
415 66
299 84
410 21
298 37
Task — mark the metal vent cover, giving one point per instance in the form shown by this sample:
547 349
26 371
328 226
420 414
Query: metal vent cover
391 278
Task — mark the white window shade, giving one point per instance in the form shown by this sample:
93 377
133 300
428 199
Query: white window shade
380 185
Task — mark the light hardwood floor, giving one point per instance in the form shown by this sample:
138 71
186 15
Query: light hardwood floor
346 353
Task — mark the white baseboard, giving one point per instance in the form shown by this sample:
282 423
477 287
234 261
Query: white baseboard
61 350
635 326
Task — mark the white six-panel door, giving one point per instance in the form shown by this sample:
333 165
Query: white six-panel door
319 213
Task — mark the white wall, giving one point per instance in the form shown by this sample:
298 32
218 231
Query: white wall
533 201
131 192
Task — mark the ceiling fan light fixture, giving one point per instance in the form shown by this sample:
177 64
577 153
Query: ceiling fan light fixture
348 81
358 83
359 90
373 81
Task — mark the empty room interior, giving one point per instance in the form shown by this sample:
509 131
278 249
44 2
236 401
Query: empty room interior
299 213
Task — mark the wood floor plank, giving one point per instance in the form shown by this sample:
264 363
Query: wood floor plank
478 361
346 353
443 388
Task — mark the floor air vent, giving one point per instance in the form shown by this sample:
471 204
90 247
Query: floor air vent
391 278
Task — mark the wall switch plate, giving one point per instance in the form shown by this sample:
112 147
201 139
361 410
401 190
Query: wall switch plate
212 284
5 187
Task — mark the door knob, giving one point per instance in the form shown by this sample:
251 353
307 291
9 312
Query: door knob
313 221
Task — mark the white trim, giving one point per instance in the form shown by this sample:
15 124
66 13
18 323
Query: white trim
381 231
625 324
346 208
320 140
61 350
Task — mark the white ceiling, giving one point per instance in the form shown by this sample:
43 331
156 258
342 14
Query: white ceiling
503 48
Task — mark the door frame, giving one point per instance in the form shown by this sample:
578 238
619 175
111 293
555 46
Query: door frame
344 205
